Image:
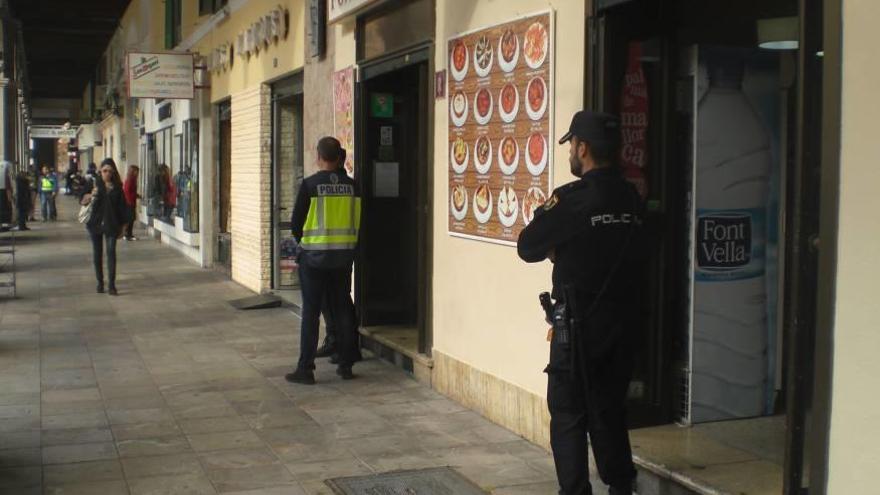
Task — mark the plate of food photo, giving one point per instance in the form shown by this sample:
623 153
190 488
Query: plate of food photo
508 206
508 155
508 50
535 45
483 56
458 108
483 106
458 202
483 203
509 103
459 154
536 98
482 155
458 60
533 200
536 153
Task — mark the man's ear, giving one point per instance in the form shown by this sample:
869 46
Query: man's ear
586 150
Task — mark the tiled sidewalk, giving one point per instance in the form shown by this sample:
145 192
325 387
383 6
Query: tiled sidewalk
167 389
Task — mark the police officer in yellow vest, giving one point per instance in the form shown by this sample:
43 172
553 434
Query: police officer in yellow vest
325 219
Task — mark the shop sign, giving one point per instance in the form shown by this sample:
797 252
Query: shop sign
261 33
52 132
221 58
160 75
343 114
634 121
339 9
500 119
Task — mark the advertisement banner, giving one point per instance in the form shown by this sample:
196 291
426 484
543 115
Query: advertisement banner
338 9
343 114
58 132
160 75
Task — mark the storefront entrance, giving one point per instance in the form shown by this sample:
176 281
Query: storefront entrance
287 174
223 253
712 101
393 172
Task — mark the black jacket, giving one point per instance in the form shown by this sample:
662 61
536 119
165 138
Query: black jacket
309 189
109 211
586 223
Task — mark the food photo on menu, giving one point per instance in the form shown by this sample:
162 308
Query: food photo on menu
500 124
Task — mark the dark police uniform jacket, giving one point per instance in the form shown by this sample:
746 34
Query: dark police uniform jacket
331 259
592 226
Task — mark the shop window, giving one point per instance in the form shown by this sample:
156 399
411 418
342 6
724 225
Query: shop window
161 201
173 33
207 7
188 178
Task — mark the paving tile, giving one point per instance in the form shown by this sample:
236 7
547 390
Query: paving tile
116 487
187 484
161 465
20 411
204 442
322 470
238 459
211 425
76 436
62 408
71 395
152 446
62 454
20 457
145 430
253 478
17 479
76 420
131 416
20 439
60 474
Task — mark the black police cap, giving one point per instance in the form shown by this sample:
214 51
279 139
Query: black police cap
593 127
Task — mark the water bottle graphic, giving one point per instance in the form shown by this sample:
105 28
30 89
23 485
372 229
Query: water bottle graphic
730 296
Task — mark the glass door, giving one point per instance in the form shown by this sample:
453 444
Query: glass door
287 175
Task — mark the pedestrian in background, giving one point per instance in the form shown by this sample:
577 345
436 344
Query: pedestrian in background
131 197
22 199
6 184
162 193
48 192
107 222
32 181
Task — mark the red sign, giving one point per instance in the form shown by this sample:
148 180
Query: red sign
634 121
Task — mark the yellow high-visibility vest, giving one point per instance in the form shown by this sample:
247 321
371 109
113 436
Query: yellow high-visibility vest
333 220
46 184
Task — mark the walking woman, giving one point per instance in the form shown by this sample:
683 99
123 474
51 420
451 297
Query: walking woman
107 223
130 188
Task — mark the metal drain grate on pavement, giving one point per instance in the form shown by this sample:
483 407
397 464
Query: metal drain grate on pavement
434 481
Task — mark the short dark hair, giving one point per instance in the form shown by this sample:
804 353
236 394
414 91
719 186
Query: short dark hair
330 150
604 153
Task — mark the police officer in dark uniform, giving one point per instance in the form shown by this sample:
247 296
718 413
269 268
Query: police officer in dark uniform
589 229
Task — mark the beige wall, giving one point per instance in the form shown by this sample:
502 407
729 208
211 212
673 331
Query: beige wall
486 311
250 194
279 59
854 453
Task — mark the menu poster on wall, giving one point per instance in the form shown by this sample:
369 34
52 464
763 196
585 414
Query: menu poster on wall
500 92
343 114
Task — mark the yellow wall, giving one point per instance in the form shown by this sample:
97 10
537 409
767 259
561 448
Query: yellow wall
486 311
280 58
854 452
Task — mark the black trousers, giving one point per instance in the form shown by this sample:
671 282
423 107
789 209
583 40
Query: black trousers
99 240
330 287
589 406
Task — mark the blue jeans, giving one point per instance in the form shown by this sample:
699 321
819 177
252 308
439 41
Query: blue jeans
99 240
47 205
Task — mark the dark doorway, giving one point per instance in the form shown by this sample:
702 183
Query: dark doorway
224 181
44 153
393 170
287 175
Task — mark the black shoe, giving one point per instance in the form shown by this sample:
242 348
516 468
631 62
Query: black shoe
619 490
304 377
334 359
345 373
112 291
100 289
326 350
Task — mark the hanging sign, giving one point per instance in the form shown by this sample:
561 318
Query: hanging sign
343 114
338 9
52 132
160 75
634 121
500 92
